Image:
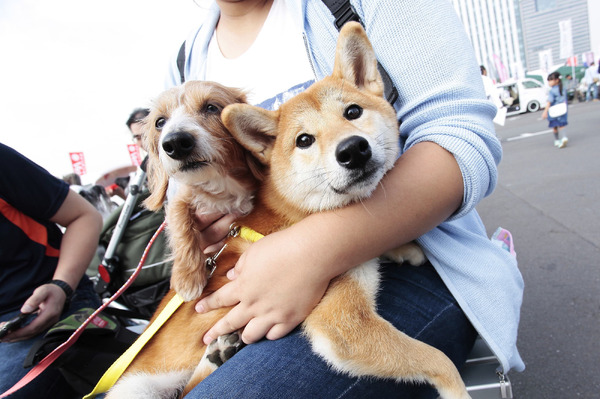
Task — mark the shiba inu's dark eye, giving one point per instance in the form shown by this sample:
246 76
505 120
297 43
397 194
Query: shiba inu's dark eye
160 122
304 140
353 112
212 109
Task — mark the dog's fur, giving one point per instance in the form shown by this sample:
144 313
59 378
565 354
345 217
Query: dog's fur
323 149
187 143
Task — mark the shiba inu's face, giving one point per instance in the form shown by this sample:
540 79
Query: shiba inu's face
331 144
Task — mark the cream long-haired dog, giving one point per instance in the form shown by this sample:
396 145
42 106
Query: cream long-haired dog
323 149
188 145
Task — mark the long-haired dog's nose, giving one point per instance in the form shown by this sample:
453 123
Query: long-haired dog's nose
178 145
353 152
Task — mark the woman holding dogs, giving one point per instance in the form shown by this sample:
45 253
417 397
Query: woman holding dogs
275 48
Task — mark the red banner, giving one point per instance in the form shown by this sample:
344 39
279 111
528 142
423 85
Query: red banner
78 162
134 154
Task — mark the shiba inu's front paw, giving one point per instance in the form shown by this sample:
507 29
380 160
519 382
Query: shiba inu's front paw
223 348
188 286
410 253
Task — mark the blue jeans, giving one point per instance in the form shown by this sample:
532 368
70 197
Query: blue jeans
414 299
592 92
51 383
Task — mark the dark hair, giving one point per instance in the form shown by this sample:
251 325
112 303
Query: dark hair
483 70
137 115
72 178
556 75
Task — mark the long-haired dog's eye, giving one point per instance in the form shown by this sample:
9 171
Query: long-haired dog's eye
212 109
160 122
305 140
353 111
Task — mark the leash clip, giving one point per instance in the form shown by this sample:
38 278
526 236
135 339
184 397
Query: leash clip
234 230
211 262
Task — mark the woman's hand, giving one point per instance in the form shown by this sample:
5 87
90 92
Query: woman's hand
270 292
214 228
49 299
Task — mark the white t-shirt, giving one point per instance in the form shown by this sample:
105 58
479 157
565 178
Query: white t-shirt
491 91
266 84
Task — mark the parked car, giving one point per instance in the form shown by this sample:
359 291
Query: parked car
523 95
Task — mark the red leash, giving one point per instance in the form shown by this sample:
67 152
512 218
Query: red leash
48 360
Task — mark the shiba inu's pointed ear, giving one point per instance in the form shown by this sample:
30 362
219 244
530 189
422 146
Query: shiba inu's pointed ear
253 127
158 182
355 59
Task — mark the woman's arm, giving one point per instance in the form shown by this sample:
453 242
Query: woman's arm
278 280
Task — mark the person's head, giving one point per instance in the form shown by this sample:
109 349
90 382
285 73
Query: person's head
134 123
569 77
554 79
72 179
483 70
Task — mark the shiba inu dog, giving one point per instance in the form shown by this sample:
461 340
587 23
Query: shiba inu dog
325 148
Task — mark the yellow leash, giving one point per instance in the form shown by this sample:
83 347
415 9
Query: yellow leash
118 367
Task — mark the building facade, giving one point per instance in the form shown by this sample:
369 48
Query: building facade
542 21
514 37
494 27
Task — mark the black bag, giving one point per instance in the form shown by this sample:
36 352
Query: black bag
100 344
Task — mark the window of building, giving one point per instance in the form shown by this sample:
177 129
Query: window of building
543 5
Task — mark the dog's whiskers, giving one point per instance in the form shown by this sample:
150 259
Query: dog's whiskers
362 202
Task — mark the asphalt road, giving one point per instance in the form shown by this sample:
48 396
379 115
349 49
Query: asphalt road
549 199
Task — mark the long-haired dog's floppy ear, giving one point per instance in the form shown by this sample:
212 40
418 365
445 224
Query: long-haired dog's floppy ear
253 127
158 182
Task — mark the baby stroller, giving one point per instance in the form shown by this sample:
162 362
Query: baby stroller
124 237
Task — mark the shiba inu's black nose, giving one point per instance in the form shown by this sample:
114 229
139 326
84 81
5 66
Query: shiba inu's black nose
353 152
178 145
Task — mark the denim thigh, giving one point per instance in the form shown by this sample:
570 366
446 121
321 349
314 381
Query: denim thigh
414 299
51 382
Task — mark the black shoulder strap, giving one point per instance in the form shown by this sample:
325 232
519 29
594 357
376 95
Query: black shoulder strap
343 12
181 63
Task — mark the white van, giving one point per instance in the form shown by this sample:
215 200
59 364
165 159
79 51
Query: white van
523 95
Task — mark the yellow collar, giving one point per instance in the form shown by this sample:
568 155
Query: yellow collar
246 233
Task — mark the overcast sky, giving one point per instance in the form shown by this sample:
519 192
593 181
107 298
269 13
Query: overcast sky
71 71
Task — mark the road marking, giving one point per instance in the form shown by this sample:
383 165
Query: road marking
528 135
